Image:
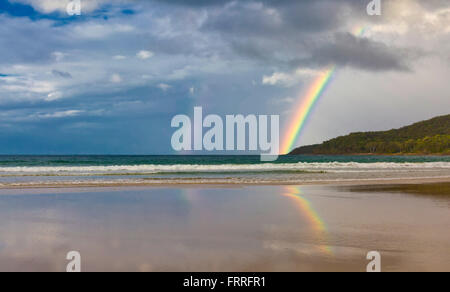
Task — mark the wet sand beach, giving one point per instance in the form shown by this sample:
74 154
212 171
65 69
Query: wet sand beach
223 228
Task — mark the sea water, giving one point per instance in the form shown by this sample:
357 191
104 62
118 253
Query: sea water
54 170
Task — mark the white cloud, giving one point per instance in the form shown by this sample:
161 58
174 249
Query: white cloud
164 87
405 17
278 78
41 87
49 6
92 30
119 57
46 6
145 55
60 114
26 85
288 79
59 56
54 96
116 78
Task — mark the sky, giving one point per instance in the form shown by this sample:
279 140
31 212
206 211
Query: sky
110 80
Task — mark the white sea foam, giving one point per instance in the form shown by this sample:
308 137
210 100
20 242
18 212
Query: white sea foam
213 181
225 168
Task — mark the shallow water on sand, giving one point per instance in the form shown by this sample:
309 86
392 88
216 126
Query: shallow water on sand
266 228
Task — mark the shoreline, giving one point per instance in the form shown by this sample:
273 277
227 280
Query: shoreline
227 183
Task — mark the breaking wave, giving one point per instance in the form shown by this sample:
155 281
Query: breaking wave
223 168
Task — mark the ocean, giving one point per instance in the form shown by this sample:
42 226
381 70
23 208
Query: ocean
17 171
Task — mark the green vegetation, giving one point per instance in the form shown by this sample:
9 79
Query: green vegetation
428 137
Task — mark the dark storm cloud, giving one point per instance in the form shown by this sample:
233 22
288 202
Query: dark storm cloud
284 33
344 50
258 17
348 50
289 33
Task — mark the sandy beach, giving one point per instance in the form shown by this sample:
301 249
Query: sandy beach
227 228
199 182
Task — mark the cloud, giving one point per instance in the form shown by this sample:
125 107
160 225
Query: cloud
60 114
282 101
93 30
46 6
59 56
145 55
307 33
50 6
164 87
54 96
61 74
195 3
363 53
116 78
288 79
18 85
119 57
29 41
279 78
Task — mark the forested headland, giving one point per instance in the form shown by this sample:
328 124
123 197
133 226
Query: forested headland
426 138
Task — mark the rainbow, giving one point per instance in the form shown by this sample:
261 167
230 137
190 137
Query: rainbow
307 103
317 224
305 107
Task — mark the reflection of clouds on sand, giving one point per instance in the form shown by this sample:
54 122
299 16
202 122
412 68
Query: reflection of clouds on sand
126 230
269 228
31 240
37 231
190 229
